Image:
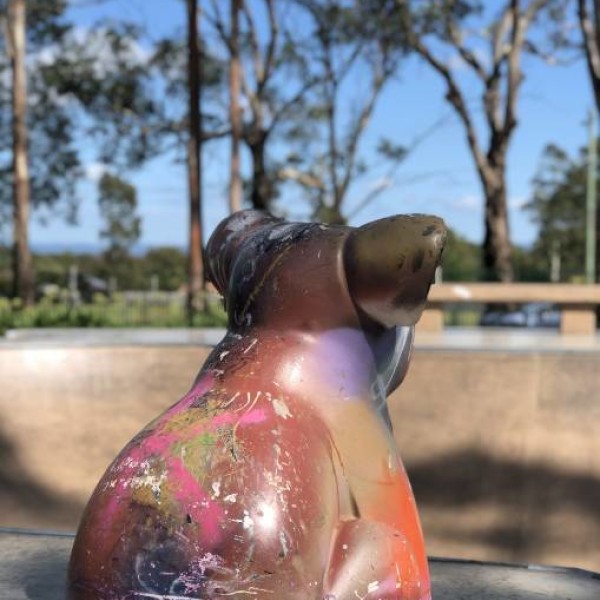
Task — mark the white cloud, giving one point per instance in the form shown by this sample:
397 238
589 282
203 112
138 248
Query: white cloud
517 202
474 202
380 184
468 202
95 170
96 44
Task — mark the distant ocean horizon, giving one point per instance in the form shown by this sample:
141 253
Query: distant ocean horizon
82 248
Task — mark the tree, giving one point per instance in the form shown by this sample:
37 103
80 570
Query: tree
117 200
272 69
343 47
22 267
196 283
118 211
462 259
496 63
109 87
95 87
589 20
558 208
235 115
168 264
185 72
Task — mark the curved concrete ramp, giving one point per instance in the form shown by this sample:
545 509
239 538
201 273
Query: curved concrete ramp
502 446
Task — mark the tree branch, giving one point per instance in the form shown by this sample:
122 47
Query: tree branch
456 99
491 95
292 100
468 56
6 27
272 45
304 178
216 20
330 84
388 180
591 42
259 65
520 24
356 131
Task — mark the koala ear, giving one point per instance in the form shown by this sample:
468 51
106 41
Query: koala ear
226 239
390 265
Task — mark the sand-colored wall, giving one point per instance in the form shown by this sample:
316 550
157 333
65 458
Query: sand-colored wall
503 449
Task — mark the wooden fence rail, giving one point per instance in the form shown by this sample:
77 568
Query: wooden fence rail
577 303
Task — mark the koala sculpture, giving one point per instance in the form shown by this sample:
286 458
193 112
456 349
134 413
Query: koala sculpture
277 475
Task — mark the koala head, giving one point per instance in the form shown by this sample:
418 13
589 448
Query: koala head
317 276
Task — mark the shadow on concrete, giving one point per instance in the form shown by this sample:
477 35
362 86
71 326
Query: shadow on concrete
26 502
525 497
44 575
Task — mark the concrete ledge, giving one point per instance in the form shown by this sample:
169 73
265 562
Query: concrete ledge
75 337
34 566
501 445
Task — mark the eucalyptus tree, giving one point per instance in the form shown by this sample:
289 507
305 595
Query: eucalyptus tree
558 209
122 225
190 78
16 45
589 20
469 41
264 46
343 50
196 283
93 85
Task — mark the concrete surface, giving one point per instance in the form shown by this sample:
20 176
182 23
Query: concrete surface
499 431
33 567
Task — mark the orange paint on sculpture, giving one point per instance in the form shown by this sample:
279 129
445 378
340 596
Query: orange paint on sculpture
277 475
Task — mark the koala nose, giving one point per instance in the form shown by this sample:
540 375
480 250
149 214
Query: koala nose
390 265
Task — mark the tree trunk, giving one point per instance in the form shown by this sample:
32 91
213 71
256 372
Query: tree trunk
195 298
235 116
23 286
497 248
589 25
262 189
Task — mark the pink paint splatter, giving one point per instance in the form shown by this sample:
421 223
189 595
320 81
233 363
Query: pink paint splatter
198 389
252 417
195 501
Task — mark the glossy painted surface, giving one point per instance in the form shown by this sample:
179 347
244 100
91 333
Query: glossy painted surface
276 476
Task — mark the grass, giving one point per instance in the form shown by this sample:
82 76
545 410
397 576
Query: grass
102 312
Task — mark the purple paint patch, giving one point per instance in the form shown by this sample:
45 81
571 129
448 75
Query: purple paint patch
343 360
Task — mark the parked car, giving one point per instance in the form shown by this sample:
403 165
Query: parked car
534 314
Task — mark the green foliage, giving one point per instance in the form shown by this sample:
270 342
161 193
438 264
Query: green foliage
144 311
461 260
168 64
391 150
529 267
118 206
348 40
53 161
558 208
109 85
169 265
98 86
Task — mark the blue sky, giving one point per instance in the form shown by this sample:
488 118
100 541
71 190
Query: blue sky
439 177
